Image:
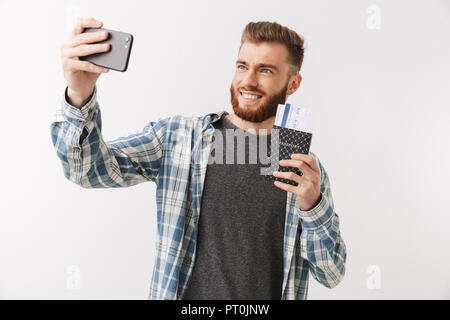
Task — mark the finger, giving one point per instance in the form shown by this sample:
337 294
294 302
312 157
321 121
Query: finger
85 50
308 159
82 23
285 186
77 65
299 164
288 175
88 37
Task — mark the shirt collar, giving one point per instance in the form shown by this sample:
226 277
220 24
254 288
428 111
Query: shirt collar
213 117
216 116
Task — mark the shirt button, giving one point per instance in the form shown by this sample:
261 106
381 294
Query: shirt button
178 294
90 110
80 121
76 148
188 260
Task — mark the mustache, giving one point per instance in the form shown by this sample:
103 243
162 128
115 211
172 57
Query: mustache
251 89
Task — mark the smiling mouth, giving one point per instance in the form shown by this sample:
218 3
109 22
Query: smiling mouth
249 97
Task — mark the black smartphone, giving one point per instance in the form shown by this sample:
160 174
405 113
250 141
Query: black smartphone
116 58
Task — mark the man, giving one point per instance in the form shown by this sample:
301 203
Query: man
255 239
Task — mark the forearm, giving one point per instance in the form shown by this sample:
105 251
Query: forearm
91 162
321 241
324 247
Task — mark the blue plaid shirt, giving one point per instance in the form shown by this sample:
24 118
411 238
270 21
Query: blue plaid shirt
173 152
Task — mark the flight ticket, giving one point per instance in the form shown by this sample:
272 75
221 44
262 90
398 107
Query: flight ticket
297 118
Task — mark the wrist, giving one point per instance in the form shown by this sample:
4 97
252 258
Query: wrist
76 99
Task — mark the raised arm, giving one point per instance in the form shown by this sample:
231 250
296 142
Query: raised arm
93 163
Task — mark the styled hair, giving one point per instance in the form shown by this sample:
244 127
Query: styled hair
265 31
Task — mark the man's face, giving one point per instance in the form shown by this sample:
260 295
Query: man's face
260 82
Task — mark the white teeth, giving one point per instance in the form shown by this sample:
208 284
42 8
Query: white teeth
248 96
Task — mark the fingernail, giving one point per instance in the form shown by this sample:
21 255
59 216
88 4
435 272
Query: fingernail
99 23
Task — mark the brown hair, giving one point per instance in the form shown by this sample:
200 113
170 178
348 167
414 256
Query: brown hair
264 31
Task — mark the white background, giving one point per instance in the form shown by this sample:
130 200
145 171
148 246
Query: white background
376 75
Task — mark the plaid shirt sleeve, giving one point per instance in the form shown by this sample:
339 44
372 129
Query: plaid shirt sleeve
321 242
93 163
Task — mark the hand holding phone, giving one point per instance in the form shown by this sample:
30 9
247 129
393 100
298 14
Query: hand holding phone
119 54
81 76
88 42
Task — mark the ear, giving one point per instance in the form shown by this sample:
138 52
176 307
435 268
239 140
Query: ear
294 83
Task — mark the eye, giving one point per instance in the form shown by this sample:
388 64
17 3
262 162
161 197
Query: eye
268 70
239 66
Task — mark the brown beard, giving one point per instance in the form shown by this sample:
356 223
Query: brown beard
264 111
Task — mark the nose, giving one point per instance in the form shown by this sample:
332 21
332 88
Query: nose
250 80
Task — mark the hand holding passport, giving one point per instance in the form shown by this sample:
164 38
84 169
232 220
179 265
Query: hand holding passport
293 125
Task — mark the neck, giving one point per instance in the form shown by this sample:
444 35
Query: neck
245 125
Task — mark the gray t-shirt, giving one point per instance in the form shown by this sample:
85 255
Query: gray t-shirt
241 227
